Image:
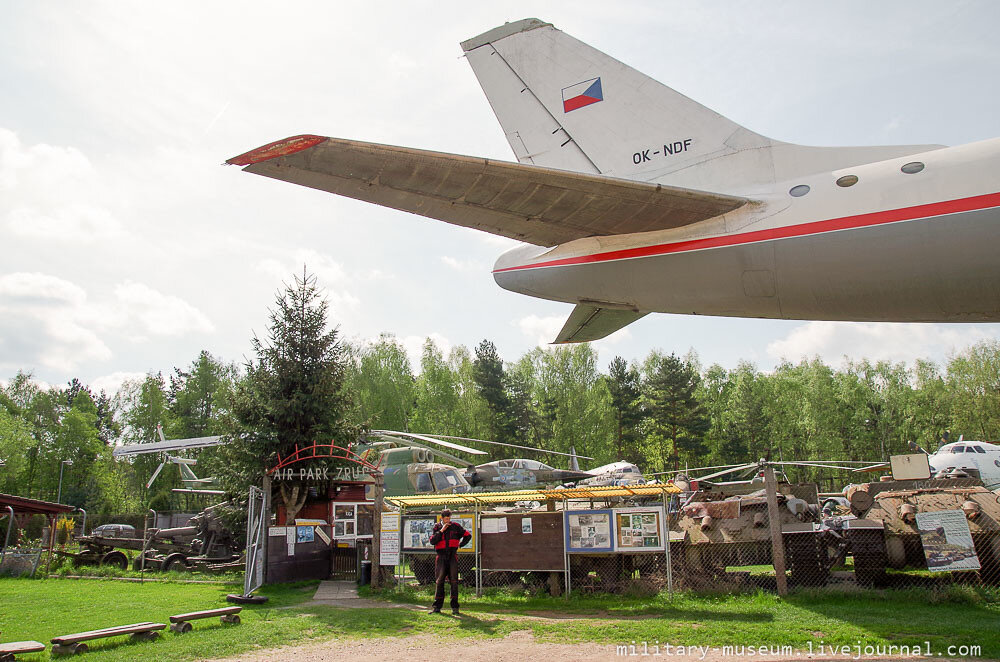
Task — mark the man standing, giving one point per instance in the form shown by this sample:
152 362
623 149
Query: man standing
447 537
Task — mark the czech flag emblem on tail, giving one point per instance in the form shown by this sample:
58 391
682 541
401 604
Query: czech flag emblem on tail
582 94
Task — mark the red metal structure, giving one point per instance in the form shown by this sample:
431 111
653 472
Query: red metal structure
321 451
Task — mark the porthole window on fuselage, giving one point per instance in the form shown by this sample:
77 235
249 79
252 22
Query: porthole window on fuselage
798 191
912 168
847 180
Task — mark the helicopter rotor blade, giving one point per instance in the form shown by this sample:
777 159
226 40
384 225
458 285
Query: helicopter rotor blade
688 471
501 443
752 465
436 451
430 440
813 464
156 473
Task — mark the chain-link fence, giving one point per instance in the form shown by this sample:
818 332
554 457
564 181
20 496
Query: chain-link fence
930 535
19 561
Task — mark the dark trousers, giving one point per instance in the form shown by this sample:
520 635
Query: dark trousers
446 569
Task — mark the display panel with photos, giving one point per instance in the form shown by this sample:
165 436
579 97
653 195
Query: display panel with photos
417 533
589 530
639 529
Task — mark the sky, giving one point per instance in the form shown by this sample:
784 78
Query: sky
127 247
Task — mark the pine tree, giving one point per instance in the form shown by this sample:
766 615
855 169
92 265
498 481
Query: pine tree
492 386
623 384
673 410
292 396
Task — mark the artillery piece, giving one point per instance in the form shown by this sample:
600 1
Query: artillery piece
205 543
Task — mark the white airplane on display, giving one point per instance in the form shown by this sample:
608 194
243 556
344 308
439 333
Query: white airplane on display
631 198
974 459
615 473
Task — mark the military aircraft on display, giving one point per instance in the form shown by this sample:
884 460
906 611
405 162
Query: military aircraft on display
616 473
520 474
409 468
633 198
192 484
973 459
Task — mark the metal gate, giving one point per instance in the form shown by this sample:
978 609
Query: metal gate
256 528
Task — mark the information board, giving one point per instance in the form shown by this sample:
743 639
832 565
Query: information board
589 530
389 554
947 541
417 532
509 544
639 529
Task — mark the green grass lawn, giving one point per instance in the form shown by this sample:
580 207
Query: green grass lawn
41 609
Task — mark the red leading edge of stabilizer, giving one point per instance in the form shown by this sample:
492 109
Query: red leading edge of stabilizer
277 148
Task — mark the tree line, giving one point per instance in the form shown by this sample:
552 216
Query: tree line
665 412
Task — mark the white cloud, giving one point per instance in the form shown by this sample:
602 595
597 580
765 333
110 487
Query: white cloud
832 341
50 322
53 193
112 383
40 287
414 346
158 314
330 274
542 329
464 266
40 324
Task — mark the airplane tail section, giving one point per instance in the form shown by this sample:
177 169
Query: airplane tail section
563 104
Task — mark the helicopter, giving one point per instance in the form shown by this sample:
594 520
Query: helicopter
192 483
409 468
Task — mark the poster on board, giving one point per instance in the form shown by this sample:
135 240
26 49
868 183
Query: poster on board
389 553
947 541
417 533
589 530
639 529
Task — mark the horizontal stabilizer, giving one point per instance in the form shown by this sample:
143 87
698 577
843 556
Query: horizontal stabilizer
588 323
534 204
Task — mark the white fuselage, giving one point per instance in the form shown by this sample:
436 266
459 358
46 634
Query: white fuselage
971 457
616 473
893 246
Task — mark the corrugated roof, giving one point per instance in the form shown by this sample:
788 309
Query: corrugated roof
24 505
473 498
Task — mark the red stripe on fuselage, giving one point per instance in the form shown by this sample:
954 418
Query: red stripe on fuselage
816 227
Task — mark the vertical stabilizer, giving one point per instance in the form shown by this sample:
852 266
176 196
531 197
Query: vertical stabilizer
574 464
563 104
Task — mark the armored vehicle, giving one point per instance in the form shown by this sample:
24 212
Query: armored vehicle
898 545
718 528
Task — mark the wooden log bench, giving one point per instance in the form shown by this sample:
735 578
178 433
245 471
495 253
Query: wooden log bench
12 648
181 622
72 644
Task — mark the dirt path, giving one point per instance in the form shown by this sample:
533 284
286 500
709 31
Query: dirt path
515 647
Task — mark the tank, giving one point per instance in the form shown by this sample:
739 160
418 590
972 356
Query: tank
898 545
717 529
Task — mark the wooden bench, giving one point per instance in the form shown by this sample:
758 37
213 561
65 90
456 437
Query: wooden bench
12 648
72 644
180 622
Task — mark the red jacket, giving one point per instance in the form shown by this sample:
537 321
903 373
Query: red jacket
450 540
